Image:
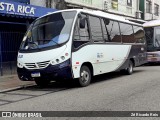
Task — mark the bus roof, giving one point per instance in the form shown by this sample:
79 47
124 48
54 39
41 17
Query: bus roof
98 13
152 23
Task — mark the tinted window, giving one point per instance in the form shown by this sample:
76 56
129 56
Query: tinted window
81 34
149 38
49 31
84 32
113 29
96 30
127 33
157 37
105 34
139 34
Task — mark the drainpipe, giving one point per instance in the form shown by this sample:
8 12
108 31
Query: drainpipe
48 3
152 9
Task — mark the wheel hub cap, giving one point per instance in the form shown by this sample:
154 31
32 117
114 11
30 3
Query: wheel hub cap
84 76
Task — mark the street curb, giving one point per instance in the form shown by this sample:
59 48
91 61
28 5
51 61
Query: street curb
16 88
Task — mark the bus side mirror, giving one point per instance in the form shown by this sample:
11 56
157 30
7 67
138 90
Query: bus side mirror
82 23
106 21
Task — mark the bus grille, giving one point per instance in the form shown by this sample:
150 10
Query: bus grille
38 65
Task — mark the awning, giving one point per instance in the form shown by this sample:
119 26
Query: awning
23 10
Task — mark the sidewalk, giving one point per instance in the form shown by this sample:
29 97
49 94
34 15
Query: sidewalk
12 82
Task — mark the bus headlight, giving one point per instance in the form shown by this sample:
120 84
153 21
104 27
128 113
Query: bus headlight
19 65
62 57
52 63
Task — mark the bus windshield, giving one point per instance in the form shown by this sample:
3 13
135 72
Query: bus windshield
49 31
149 38
157 37
153 38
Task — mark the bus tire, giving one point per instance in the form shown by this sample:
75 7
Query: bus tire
129 69
85 76
41 82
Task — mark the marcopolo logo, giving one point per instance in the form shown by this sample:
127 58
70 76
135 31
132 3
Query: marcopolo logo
20 56
17 8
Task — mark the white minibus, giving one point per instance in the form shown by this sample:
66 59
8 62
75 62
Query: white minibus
79 44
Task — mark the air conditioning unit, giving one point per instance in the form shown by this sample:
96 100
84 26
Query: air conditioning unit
138 14
105 5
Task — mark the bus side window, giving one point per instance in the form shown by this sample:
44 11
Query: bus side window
96 30
127 33
106 35
114 32
139 34
81 32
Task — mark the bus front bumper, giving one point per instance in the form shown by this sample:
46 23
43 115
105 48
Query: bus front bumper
52 72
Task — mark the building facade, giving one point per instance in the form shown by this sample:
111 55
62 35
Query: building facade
15 17
58 4
138 9
128 8
150 9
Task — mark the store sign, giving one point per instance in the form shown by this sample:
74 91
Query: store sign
9 7
23 9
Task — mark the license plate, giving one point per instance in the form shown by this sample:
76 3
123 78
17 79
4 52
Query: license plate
37 74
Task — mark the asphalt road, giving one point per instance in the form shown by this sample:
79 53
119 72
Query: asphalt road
110 92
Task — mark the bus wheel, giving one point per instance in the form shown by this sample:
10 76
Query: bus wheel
129 69
41 82
85 76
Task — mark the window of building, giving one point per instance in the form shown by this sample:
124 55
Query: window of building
127 33
139 34
114 4
129 6
96 30
113 30
129 3
156 9
148 6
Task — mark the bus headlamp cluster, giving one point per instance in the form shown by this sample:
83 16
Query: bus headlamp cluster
61 59
52 62
19 65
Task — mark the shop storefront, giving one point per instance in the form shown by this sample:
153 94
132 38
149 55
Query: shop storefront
15 17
